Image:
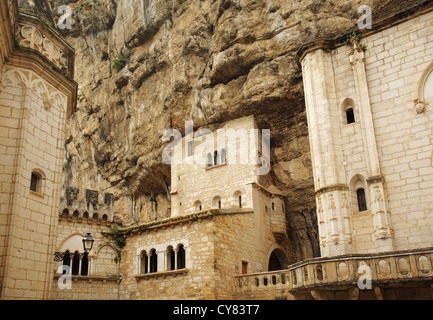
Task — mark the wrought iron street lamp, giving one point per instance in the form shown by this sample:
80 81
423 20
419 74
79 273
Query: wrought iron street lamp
88 243
87 246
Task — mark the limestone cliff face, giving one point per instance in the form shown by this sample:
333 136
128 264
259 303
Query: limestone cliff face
203 60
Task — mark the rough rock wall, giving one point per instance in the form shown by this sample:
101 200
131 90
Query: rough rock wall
205 60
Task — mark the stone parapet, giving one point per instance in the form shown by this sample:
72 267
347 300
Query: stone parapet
91 209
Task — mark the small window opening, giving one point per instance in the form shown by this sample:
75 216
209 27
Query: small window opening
216 160
144 266
350 116
181 257
85 265
171 262
35 182
190 148
153 261
76 264
362 203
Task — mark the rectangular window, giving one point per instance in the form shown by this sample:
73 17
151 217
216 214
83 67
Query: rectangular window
34 183
362 203
244 267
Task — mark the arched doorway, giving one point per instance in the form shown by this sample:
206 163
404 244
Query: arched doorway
277 261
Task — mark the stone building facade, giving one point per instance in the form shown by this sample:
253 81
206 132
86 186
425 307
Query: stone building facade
370 137
368 103
37 94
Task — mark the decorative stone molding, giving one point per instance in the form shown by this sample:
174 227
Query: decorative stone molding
50 96
419 106
357 53
420 102
338 187
30 36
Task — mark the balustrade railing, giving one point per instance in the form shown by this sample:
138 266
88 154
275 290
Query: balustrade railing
343 271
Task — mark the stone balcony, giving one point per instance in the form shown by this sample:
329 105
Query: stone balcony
337 278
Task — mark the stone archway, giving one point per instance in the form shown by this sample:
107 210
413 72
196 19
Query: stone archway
277 261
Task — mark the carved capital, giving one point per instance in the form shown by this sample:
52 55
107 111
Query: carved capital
357 52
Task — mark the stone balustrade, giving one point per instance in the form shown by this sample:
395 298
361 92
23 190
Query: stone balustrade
340 273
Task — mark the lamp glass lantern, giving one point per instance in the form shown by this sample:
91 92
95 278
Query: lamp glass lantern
88 243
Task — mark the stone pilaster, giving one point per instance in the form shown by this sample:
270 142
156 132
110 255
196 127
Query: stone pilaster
380 213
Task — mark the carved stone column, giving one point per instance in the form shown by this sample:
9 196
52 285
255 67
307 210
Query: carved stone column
327 154
380 215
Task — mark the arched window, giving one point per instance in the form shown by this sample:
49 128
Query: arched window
348 108
86 216
67 262
75 215
216 203
104 218
425 88
36 182
209 160
65 214
171 261
144 263
198 206
238 199
362 203
76 264
216 159
181 257
153 261
223 156
85 265
358 194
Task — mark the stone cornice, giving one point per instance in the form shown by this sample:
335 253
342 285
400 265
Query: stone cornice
206 214
335 187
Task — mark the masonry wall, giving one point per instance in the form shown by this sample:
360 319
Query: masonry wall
198 279
396 59
32 115
193 182
236 242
